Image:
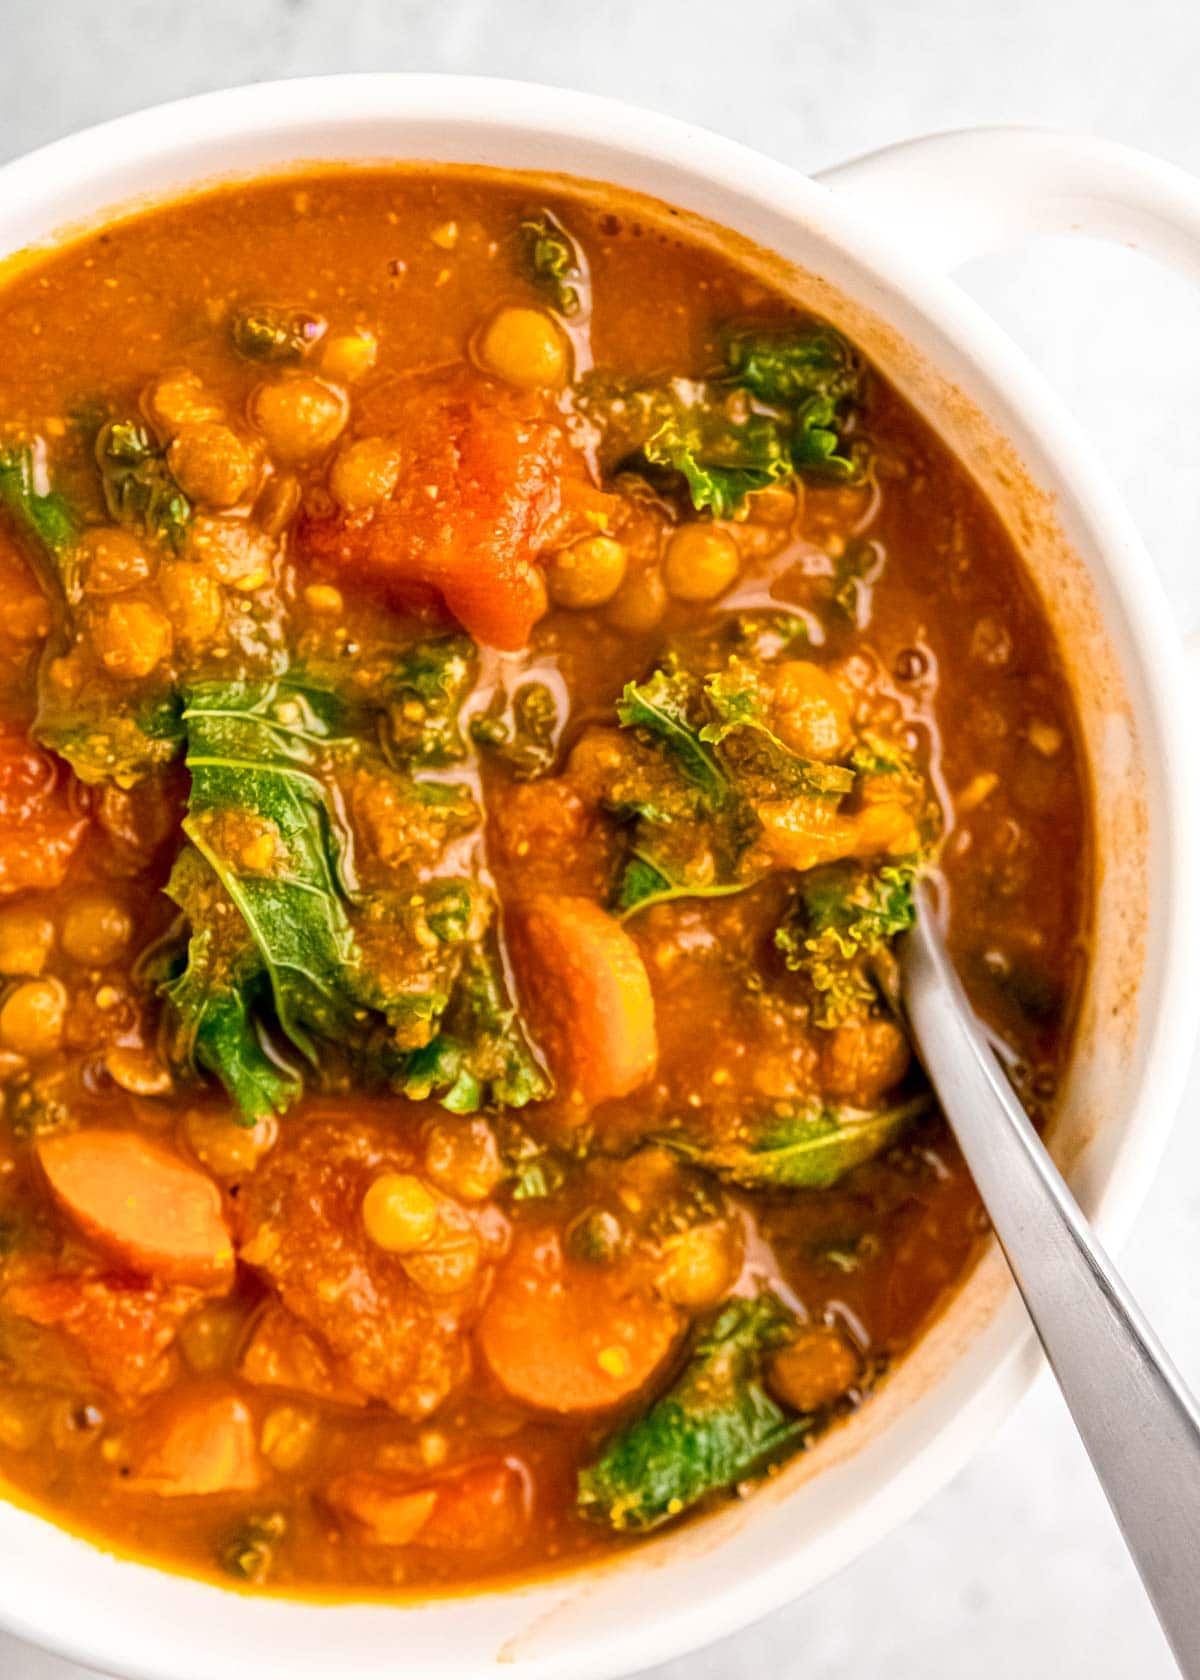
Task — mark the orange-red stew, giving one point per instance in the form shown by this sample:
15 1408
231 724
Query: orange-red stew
479 675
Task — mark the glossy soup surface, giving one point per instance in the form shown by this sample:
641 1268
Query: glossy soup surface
494 1143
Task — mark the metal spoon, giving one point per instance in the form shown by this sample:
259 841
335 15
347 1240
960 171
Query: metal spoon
1138 1421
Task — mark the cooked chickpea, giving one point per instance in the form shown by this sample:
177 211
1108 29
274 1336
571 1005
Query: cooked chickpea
212 464
225 1148
324 598
287 1438
586 574
364 473
701 562
210 1337
278 504
192 597
180 399
95 929
812 714
111 560
347 356
300 417
32 1017
136 1070
701 1265
860 1060
776 504
132 638
462 1157
26 940
814 1370
639 603
448 1265
399 1213
523 347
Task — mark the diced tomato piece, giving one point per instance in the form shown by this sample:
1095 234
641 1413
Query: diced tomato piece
396 1323
483 1506
121 1326
480 484
196 1444
283 1353
42 814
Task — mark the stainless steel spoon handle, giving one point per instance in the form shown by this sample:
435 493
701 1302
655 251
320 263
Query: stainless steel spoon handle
1140 1425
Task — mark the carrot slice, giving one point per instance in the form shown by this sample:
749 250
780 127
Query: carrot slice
143 1203
572 1337
197 1444
588 993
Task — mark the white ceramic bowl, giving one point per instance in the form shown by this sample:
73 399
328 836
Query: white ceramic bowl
864 254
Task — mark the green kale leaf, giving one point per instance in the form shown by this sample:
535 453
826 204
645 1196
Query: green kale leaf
522 730
139 489
214 1004
554 262
263 332
722 461
104 732
714 1427
810 1147
843 916
425 693
787 366
40 514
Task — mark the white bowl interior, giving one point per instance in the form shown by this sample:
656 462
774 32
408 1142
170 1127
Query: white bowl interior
691 1587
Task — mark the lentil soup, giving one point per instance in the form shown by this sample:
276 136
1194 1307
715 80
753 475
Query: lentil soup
479 675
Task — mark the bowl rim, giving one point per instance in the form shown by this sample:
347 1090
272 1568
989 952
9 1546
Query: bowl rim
89 165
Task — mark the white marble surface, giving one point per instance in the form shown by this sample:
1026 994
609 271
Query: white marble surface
1016 1568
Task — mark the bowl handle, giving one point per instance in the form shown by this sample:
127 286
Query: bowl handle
973 191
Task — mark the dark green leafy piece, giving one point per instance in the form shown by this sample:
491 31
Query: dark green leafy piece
258 812
482 1053
781 404
42 516
787 366
250 1550
522 730
805 1148
265 332
647 880
842 917
554 262
425 693
215 1003
739 706
715 1427
664 707
722 460
396 986
139 489
104 732
854 574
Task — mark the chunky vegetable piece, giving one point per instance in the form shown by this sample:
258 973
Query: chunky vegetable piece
141 1203
589 995
566 1337
478 484
716 1425
480 674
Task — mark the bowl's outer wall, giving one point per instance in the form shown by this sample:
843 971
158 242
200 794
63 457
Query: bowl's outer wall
690 1588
